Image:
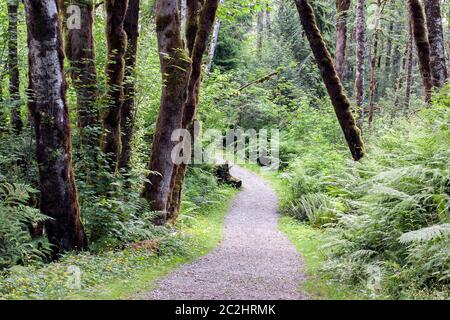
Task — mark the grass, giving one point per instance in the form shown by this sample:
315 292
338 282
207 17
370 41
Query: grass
204 233
123 274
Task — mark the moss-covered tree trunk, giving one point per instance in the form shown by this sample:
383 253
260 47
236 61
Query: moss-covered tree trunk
360 59
48 108
342 7
175 67
128 110
331 80
115 69
436 38
205 24
13 68
80 51
417 19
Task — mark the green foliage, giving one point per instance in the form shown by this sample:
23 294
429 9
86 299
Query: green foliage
17 218
387 216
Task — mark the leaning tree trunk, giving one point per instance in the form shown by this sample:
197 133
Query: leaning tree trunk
331 80
436 38
342 7
409 71
48 108
175 67
206 21
360 60
131 26
13 67
80 51
417 19
115 68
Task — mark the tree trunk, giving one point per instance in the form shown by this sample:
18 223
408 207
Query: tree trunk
3 126
331 80
213 44
206 21
436 38
13 67
80 51
175 67
48 108
388 61
193 7
183 12
131 26
402 73
360 59
342 7
373 64
260 30
408 72
268 23
417 18
115 68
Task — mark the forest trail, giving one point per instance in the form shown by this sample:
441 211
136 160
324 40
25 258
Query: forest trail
254 261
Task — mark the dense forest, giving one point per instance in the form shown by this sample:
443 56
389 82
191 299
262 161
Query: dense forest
114 115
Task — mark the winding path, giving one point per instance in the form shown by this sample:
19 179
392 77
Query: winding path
255 261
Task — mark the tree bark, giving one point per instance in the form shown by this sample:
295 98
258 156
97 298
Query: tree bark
13 67
115 69
128 110
417 18
80 51
48 108
373 64
408 72
360 60
436 38
268 23
331 80
342 7
206 21
175 67
213 44
259 30
388 61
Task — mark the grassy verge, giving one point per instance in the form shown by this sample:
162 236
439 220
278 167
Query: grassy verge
122 274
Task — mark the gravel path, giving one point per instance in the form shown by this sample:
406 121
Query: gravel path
254 261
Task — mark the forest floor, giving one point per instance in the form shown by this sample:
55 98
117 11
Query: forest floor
255 260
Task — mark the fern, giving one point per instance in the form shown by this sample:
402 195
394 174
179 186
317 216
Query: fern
425 234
